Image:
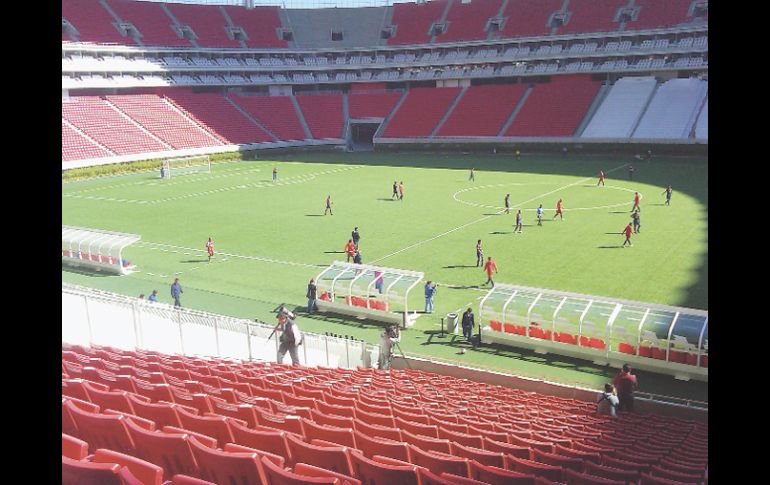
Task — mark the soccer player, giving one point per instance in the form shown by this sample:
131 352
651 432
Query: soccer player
630 172
401 190
356 236
518 222
637 198
328 205
395 190
210 248
473 175
162 170
507 204
601 178
350 249
489 268
479 254
275 174
668 192
559 208
540 215
627 231
637 222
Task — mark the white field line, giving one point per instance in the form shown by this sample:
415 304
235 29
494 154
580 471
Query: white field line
485 206
420 243
150 170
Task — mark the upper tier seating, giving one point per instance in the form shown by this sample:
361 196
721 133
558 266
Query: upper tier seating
151 20
275 113
467 21
207 22
555 108
107 126
413 21
75 146
620 110
420 112
482 110
323 114
655 14
215 113
92 21
372 105
592 16
554 438
526 18
164 121
671 113
259 23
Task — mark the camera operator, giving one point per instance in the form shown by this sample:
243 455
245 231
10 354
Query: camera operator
389 338
291 337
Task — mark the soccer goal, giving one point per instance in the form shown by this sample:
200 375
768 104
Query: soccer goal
186 165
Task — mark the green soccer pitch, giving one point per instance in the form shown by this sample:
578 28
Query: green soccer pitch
272 237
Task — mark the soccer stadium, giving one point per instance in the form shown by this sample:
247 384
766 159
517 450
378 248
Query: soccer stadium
375 242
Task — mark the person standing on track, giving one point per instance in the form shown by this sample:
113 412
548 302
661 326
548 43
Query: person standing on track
176 293
210 248
601 178
489 267
479 254
559 209
328 205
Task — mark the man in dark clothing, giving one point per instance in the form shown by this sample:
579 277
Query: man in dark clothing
176 292
311 296
356 236
290 338
467 324
357 257
625 383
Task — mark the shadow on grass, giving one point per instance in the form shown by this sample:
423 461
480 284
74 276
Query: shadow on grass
614 233
493 214
314 215
501 232
195 261
387 200
334 252
461 266
86 272
609 247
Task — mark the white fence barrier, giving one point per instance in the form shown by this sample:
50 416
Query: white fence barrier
98 317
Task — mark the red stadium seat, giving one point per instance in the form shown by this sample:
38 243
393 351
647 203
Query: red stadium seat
76 472
626 348
583 455
558 460
497 326
372 418
171 451
417 428
521 465
314 471
147 473
102 431
439 462
374 472
334 434
662 472
244 412
652 480
292 424
335 459
490 458
499 476
507 448
273 441
374 445
225 467
464 439
137 420
659 354
429 478
215 426
571 477
691 359
677 356
611 472
188 480
72 447
426 443
379 431
645 351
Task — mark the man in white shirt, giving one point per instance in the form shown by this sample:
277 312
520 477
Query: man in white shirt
607 402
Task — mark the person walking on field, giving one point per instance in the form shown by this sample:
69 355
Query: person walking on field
473 175
559 209
328 205
540 215
507 203
668 192
628 231
275 174
637 198
210 248
637 222
350 249
489 267
176 293
479 254
401 191
601 178
467 324
519 224
395 190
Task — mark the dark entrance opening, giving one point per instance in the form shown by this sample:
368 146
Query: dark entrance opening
361 135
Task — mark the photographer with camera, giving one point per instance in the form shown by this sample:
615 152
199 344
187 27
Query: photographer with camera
430 291
389 339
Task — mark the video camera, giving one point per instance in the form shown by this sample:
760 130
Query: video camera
392 331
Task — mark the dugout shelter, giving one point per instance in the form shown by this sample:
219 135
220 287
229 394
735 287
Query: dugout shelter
96 249
658 338
367 291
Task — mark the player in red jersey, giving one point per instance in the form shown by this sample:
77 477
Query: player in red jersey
350 249
627 231
210 247
489 267
601 178
559 208
637 198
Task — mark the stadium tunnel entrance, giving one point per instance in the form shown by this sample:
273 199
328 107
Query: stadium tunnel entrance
361 134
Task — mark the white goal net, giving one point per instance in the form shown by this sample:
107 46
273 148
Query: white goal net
174 167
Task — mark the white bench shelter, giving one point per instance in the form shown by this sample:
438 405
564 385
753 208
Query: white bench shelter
96 249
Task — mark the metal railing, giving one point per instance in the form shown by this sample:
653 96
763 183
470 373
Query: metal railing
91 316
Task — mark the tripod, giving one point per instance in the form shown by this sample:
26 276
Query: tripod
395 344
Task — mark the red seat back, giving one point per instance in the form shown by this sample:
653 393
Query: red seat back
225 467
102 430
372 472
169 451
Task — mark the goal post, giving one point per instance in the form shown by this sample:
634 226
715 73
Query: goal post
173 167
